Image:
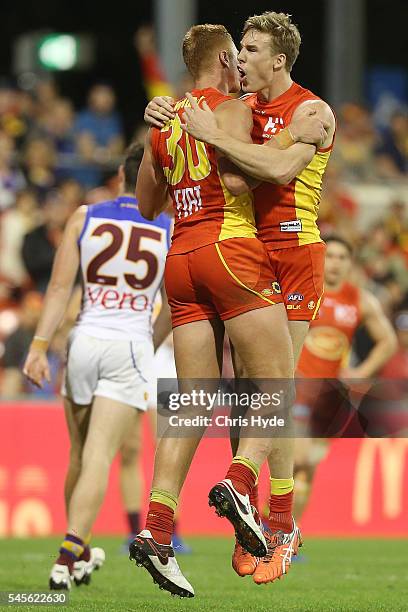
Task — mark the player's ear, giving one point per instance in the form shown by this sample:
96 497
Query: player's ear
280 61
224 59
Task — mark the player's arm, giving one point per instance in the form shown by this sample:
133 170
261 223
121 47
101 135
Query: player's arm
234 118
260 161
382 334
151 186
162 325
57 297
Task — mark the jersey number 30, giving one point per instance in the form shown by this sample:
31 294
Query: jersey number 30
198 164
134 253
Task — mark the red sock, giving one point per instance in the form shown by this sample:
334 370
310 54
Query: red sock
86 555
71 550
280 512
160 521
253 497
242 477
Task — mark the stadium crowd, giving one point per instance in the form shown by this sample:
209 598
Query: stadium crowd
54 157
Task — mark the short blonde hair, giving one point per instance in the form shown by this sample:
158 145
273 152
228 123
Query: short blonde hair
285 36
200 41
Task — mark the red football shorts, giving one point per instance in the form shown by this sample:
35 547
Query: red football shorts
300 274
222 280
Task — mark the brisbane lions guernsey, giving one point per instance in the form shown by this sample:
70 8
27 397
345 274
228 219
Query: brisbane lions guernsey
328 342
286 215
122 263
205 211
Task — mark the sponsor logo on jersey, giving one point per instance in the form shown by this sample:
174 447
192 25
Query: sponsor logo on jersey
267 292
293 307
291 226
346 314
311 305
273 125
295 297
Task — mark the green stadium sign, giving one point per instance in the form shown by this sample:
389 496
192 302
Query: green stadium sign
58 51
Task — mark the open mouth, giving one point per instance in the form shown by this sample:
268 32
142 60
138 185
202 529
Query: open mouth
241 73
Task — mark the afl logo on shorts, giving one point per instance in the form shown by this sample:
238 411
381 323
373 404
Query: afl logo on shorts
295 297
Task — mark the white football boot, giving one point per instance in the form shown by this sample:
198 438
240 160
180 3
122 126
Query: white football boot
160 562
238 510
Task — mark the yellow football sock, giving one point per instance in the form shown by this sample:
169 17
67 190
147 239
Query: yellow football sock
164 497
281 486
248 463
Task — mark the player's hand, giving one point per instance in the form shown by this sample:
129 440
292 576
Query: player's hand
199 122
159 111
309 128
36 368
352 373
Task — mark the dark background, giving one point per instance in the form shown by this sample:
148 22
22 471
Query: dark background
113 26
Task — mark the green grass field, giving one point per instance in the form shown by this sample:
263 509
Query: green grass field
340 575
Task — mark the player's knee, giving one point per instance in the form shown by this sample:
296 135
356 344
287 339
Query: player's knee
75 457
304 471
129 454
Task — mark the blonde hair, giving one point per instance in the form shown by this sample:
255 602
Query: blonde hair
199 43
285 36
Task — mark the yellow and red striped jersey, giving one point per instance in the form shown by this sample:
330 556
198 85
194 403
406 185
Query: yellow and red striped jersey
204 210
286 215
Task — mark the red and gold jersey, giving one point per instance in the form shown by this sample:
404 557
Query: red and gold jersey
205 211
328 341
286 215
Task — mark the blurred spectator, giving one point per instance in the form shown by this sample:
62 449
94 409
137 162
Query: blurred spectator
46 94
60 131
11 118
381 258
99 133
14 224
71 192
17 344
39 166
355 142
392 152
154 78
396 224
40 244
140 133
11 178
338 209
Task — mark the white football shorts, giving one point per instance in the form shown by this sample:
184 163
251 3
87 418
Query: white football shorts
163 367
117 369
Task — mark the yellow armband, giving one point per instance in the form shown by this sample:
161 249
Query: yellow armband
285 139
40 344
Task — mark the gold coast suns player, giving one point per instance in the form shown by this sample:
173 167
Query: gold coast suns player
216 276
269 48
322 407
121 257
286 204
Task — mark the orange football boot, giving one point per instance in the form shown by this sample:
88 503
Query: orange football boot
281 548
243 563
